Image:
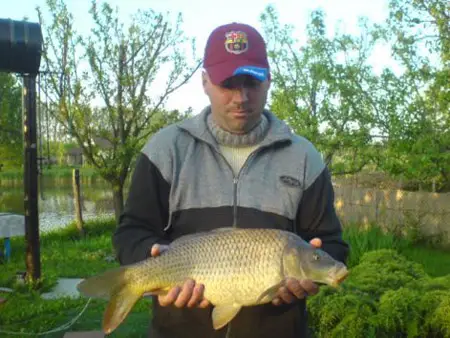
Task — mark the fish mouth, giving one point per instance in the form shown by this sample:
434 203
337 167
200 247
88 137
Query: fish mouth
338 277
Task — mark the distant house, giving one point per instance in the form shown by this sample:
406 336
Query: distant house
75 156
102 143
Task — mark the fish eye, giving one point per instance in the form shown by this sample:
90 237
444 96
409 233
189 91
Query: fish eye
316 256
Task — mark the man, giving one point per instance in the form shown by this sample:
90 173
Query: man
234 164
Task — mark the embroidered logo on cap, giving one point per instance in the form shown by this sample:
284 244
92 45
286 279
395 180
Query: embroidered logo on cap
236 42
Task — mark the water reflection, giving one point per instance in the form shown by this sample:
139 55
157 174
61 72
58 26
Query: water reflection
56 205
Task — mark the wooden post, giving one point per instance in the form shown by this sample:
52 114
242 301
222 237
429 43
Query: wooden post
77 200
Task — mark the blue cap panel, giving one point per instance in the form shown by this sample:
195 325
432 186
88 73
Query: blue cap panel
257 72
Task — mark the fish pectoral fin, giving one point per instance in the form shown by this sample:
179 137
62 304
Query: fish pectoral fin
120 304
117 286
223 314
269 294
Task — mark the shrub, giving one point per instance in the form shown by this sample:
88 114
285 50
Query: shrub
385 295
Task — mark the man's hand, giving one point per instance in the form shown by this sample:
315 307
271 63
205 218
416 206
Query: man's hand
190 295
297 289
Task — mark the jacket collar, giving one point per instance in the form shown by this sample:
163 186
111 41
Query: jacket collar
197 126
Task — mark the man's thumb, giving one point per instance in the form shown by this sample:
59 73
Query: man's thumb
157 249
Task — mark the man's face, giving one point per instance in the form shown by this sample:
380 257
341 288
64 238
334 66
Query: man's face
238 102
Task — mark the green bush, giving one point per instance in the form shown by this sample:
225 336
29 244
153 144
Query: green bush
385 295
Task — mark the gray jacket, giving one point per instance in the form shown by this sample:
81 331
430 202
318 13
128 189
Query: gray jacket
182 184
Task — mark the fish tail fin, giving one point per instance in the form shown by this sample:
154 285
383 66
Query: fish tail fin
117 286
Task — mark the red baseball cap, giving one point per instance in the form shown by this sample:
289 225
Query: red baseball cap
235 49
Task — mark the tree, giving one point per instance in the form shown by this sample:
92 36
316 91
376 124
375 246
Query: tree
397 122
321 89
122 66
418 144
11 138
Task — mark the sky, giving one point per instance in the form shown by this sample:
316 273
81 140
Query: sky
200 17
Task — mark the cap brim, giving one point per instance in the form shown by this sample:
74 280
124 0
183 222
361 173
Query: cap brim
221 72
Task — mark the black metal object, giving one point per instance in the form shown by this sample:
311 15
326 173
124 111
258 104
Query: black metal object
20 52
31 178
20 46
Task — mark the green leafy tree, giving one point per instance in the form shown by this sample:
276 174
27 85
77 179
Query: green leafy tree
322 89
121 65
415 105
11 138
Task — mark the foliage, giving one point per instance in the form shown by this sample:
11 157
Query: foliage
349 312
415 105
117 66
64 254
412 245
386 295
320 88
396 120
11 139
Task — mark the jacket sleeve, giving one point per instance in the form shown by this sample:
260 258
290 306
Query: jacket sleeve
316 217
145 213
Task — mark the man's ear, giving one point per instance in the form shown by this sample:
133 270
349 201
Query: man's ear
205 80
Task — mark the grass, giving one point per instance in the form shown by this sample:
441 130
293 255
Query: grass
436 262
64 254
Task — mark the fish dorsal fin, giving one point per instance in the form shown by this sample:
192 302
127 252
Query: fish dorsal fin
223 314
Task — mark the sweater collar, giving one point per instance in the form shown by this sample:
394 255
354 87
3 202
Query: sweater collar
197 126
225 138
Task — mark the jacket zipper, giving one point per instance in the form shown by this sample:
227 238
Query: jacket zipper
236 181
235 184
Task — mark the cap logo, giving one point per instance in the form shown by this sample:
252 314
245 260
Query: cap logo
236 42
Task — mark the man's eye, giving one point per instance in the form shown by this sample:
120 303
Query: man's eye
252 83
247 82
227 86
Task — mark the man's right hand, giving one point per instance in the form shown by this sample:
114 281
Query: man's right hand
189 295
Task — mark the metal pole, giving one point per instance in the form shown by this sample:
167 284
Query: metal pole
32 258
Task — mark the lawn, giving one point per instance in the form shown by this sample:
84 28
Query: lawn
64 254
436 261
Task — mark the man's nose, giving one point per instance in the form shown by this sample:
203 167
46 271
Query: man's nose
240 94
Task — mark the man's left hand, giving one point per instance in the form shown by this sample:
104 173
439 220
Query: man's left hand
297 289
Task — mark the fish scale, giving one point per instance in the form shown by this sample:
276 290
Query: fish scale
220 261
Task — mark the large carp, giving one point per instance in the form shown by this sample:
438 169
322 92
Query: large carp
238 267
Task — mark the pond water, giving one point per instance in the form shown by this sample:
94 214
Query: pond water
56 203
